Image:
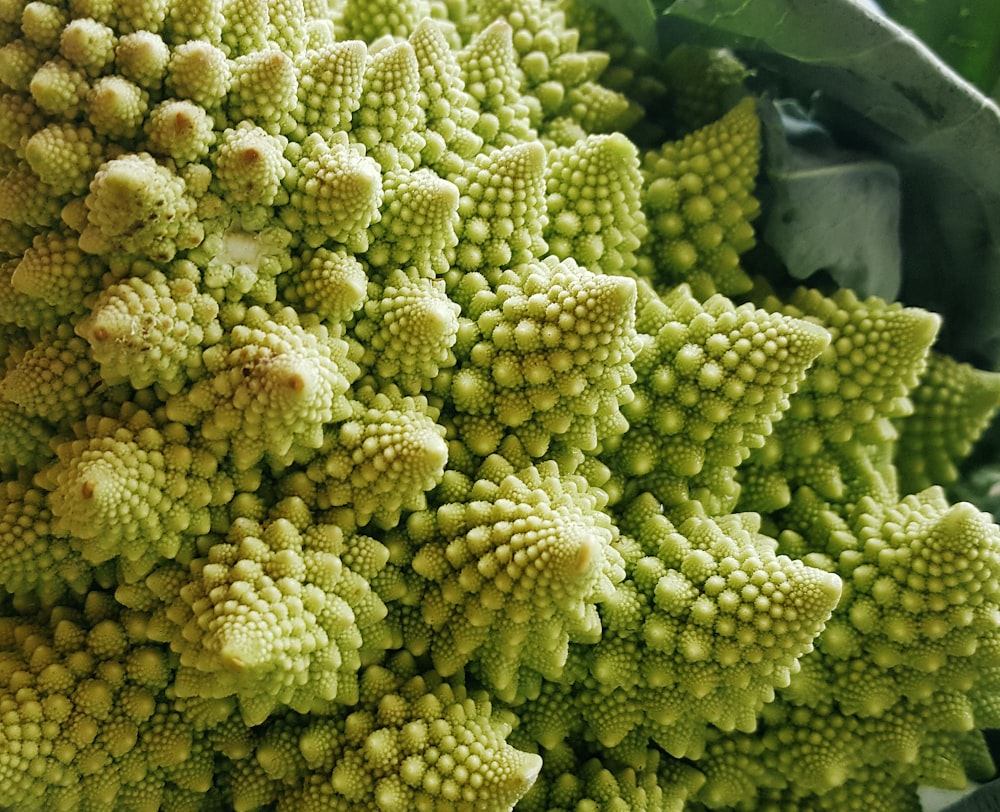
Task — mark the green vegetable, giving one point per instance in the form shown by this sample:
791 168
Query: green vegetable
415 406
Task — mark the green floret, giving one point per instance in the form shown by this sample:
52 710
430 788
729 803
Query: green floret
270 613
64 157
704 84
24 440
389 119
565 784
952 405
815 758
493 79
35 560
501 208
549 357
56 275
903 661
449 111
513 573
246 27
271 385
331 284
559 89
367 20
14 238
137 206
836 437
734 773
592 196
413 742
335 193
116 107
199 72
41 24
707 624
250 165
419 218
264 90
408 328
287 25
924 590
88 45
56 380
26 201
877 353
141 15
243 252
19 59
16 309
19 119
953 759
382 459
699 203
194 20
59 88
180 130
151 330
133 488
330 86
712 378
87 724
590 107
143 57
101 10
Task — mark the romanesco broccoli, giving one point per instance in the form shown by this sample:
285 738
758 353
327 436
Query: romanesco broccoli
391 419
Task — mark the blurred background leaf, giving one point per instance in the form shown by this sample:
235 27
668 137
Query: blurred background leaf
964 33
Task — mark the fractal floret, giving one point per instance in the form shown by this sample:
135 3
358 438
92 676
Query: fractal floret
392 418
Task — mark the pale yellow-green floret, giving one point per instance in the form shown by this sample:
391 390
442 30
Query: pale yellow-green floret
592 198
56 380
408 328
953 404
132 487
548 356
699 203
152 329
418 224
836 437
137 206
501 208
270 613
89 723
382 459
712 379
330 283
54 275
707 623
526 554
269 387
335 194
412 742
117 107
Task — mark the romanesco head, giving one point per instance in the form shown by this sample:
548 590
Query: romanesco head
376 433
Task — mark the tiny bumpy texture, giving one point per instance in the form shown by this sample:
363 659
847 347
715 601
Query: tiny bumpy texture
390 420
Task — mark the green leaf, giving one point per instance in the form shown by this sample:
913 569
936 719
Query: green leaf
964 33
830 208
